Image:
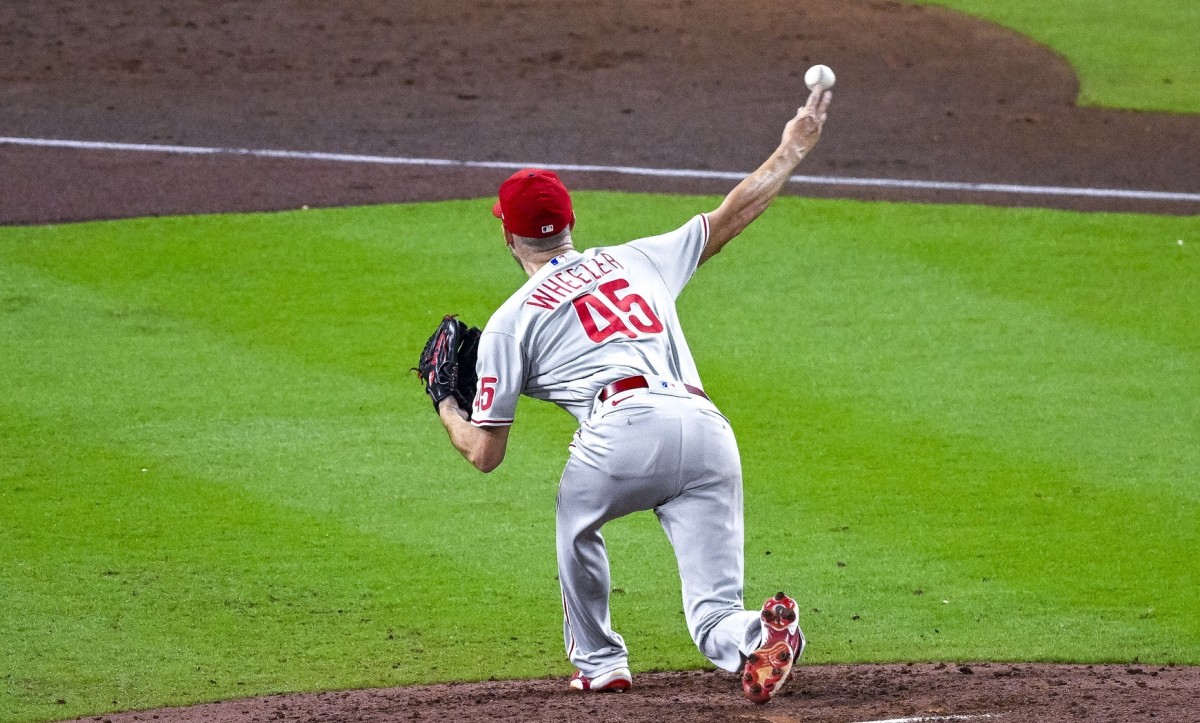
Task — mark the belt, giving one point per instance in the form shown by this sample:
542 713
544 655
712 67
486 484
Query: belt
639 382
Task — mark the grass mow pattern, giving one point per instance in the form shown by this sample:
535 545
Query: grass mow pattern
217 478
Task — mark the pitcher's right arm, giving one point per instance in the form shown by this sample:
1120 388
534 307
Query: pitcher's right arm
750 198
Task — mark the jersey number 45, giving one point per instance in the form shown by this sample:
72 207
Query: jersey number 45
616 313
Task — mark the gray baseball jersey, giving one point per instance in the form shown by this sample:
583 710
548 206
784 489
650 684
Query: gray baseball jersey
586 319
581 322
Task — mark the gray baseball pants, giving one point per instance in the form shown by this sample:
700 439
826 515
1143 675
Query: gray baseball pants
669 451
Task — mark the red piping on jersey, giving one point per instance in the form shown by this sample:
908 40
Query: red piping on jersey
484 422
639 382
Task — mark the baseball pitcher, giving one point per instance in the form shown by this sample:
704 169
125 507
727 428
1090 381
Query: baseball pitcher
597 333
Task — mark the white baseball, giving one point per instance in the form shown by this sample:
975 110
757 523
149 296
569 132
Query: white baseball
819 74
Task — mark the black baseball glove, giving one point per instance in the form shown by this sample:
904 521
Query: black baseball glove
447 364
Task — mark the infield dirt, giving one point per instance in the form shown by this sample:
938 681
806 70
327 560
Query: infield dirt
818 694
922 93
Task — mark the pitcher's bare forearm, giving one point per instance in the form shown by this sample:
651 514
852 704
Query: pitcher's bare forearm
483 447
750 198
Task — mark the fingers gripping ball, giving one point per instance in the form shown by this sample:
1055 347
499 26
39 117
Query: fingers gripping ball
447 363
819 75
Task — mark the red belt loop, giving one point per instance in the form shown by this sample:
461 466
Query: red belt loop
639 382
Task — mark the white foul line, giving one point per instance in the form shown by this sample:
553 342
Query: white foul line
624 170
935 718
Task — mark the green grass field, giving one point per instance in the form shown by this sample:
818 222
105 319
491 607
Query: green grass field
1138 55
968 433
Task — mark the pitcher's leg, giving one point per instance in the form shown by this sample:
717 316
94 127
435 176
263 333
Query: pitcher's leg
705 526
583 573
708 545
621 463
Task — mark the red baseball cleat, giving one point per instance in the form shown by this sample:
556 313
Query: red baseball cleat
782 645
614 681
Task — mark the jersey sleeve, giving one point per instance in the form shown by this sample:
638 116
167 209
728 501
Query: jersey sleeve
676 254
501 369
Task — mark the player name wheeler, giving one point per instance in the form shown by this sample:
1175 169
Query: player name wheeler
561 286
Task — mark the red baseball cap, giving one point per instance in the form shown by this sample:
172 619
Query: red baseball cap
534 204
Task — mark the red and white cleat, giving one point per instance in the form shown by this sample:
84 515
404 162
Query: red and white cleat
614 681
782 645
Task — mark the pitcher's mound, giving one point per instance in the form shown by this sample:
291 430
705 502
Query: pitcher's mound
1020 693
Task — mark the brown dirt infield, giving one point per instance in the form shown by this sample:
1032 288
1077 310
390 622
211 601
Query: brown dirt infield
922 93
1003 693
